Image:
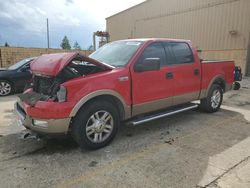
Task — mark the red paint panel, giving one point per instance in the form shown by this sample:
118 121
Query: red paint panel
150 86
185 79
211 70
49 110
51 64
109 80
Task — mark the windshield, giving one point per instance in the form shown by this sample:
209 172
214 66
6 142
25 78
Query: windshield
19 64
117 53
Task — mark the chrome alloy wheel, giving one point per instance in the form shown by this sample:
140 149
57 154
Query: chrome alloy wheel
99 126
216 99
5 88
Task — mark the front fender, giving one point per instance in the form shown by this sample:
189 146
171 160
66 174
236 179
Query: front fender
85 99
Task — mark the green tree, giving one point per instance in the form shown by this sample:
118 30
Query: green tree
76 46
6 44
65 43
91 47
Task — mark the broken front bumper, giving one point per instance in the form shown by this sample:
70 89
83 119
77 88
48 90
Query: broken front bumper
47 126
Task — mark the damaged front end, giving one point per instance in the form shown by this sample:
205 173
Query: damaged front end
49 77
44 89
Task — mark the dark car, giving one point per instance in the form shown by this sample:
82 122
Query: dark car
14 78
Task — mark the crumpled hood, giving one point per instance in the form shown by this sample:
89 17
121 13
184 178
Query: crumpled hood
52 64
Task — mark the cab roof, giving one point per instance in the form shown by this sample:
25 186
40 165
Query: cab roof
156 39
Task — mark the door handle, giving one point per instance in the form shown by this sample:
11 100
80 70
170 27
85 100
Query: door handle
196 72
169 76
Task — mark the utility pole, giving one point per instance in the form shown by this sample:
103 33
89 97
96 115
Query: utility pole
94 41
48 32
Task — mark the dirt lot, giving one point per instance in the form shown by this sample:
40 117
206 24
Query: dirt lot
192 149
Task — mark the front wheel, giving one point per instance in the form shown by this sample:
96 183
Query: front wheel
95 125
5 88
214 99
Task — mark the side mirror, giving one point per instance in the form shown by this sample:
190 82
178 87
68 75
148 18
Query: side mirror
24 69
148 64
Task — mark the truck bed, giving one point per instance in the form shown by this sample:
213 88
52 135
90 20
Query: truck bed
216 69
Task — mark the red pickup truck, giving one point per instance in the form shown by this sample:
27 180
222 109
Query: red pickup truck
135 81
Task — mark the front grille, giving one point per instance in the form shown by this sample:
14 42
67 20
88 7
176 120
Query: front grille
43 85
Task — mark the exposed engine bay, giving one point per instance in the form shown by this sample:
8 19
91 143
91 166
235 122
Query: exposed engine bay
46 87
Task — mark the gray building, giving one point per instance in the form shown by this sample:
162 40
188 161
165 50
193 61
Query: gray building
220 28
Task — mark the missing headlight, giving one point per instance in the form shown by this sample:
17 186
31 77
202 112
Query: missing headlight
62 94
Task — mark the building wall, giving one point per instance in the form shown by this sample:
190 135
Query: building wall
11 55
239 56
207 23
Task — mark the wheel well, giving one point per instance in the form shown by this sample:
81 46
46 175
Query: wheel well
8 80
113 100
221 83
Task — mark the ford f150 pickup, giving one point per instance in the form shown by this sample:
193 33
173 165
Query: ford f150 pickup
135 81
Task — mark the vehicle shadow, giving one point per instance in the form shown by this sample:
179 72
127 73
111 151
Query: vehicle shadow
137 136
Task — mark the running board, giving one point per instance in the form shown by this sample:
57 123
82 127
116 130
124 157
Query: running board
162 114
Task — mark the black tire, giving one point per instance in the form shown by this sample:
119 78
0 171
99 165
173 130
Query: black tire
207 104
8 85
237 86
81 121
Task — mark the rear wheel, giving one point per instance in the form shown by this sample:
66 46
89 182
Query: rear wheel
214 99
5 88
95 125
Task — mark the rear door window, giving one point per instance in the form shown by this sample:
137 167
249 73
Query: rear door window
170 57
182 52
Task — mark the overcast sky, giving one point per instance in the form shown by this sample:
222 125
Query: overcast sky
23 22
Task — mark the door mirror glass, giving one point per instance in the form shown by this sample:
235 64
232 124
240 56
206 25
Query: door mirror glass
148 64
